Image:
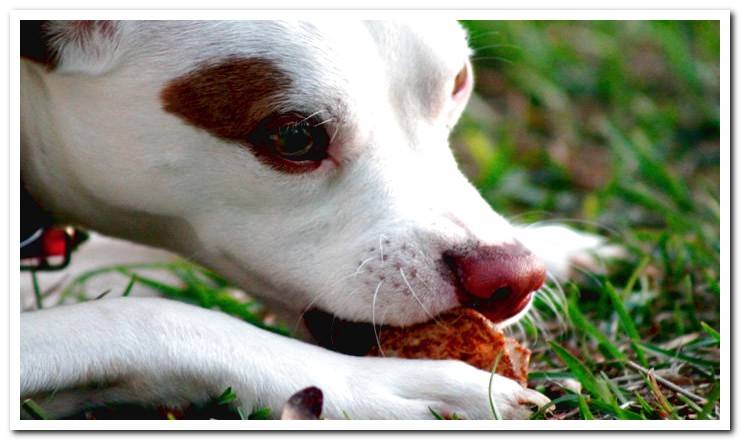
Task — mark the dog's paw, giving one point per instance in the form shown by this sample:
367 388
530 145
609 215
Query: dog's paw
424 389
567 252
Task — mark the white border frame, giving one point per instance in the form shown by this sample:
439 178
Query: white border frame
14 177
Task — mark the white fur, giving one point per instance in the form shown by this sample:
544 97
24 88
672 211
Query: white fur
98 150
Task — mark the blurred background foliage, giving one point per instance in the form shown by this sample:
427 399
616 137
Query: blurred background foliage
611 127
566 113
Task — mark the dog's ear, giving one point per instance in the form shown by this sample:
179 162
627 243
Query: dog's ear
83 46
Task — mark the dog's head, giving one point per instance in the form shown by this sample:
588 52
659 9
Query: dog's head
307 162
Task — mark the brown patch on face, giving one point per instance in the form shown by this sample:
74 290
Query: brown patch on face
227 99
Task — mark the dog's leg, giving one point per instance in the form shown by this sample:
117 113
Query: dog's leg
157 351
564 250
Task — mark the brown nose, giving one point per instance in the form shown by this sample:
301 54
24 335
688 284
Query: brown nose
496 280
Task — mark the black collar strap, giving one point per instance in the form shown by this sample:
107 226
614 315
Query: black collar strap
44 246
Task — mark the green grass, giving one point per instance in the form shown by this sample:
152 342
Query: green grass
613 128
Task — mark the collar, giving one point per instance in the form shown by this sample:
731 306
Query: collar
44 245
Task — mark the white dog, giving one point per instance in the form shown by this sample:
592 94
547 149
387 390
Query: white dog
307 163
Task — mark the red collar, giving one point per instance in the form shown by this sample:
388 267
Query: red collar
44 245
50 248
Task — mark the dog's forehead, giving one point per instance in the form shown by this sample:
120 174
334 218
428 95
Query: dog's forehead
348 70
321 51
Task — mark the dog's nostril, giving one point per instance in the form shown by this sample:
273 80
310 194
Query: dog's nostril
496 279
501 293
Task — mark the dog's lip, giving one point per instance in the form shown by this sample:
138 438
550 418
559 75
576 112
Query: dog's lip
357 338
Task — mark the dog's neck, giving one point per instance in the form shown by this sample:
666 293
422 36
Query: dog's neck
43 173
50 104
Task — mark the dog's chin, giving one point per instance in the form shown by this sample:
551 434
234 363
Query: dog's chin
358 338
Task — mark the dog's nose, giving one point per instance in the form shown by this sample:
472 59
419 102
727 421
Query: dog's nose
497 280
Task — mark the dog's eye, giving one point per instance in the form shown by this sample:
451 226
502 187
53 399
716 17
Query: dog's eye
293 137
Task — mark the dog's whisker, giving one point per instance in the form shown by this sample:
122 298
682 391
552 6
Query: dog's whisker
373 318
380 245
495 46
489 58
334 134
473 36
520 331
555 298
419 251
539 323
547 299
552 277
414 294
556 301
324 122
362 264
311 116
544 295
549 293
332 287
556 290
586 272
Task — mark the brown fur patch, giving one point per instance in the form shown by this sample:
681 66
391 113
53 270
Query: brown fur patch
227 99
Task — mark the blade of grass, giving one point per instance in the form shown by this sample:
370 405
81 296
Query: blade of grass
614 388
582 374
492 404
644 404
86 276
695 361
568 398
583 324
613 409
37 290
689 309
710 331
261 413
667 383
222 301
226 397
628 289
690 403
710 405
665 405
626 322
435 414
127 291
586 414
34 410
549 375
103 294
